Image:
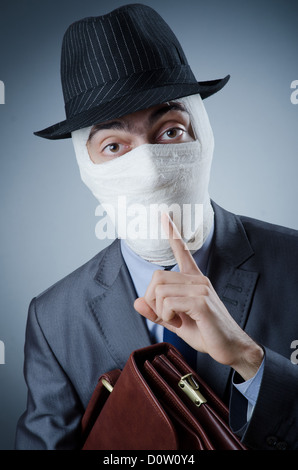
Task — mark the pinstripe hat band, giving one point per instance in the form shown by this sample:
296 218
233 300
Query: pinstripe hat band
119 63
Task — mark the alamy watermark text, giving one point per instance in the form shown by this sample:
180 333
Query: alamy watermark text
294 94
2 353
137 221
2 93
294 355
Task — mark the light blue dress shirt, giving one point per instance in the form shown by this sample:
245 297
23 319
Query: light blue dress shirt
141 272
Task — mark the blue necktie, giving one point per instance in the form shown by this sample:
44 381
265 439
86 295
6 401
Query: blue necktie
189 354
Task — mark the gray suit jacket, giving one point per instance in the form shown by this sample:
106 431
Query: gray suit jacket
85 325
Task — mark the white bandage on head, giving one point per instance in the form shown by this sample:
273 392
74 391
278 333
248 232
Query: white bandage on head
153 177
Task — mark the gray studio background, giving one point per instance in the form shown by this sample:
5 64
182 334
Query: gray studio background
47 214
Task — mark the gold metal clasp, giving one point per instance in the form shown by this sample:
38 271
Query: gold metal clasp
188 384
107 385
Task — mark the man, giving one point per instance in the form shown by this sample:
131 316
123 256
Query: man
139 127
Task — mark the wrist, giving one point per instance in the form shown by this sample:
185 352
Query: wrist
249 361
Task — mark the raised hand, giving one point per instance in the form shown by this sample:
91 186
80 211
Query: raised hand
185 302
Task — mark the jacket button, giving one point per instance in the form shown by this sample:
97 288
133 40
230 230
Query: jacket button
271 441
281 445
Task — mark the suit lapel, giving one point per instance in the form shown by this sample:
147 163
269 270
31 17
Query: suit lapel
234 285
122 329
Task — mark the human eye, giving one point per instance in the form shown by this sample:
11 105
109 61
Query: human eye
173 133
114 149
105 144
111 148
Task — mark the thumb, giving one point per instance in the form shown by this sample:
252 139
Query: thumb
144 309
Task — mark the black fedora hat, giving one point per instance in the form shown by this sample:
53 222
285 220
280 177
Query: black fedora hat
119 63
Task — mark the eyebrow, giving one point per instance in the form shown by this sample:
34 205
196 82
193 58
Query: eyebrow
165 109
126 126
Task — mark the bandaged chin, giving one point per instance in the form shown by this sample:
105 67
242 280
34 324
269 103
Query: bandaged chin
135 188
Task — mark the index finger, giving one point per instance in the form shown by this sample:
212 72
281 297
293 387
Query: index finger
186 263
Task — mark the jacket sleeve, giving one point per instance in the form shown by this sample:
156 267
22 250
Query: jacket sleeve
53 414
274 422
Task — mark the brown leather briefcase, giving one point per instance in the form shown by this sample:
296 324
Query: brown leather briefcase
157 402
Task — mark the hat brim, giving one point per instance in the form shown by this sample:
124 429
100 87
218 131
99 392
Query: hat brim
128 104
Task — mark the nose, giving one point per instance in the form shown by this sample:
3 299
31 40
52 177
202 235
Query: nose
140 139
